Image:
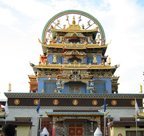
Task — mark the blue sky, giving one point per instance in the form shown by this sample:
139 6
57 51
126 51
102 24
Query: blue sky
22 23
140 2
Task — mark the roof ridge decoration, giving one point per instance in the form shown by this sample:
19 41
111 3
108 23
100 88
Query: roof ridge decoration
74 26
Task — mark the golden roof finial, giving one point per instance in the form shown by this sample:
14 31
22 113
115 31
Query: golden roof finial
73 21
9 87
73 26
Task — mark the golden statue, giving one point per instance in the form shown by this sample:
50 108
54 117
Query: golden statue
109 61
98 39
95 59
54 59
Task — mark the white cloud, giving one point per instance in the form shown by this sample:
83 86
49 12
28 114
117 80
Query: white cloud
127 43
30 8
7 17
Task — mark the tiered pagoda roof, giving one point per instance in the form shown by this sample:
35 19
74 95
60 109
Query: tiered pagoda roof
73 51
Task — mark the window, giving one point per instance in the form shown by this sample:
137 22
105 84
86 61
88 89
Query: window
100 86
49 86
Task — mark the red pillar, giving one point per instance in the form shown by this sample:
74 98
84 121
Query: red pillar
53 128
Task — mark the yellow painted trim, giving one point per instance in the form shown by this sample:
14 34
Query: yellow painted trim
74 46
74 66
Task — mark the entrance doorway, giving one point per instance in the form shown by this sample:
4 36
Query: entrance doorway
75 130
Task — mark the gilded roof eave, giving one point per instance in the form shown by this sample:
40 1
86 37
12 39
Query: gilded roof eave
76 66
74 31
75 46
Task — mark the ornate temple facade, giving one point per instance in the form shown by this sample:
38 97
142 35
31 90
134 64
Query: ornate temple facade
73 59
74 84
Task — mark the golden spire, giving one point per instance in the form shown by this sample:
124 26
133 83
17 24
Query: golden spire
73 21
73 26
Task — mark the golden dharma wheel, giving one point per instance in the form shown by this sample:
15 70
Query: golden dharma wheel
16 101
133 102
55 102
94 102
75 102
36 101
114 102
